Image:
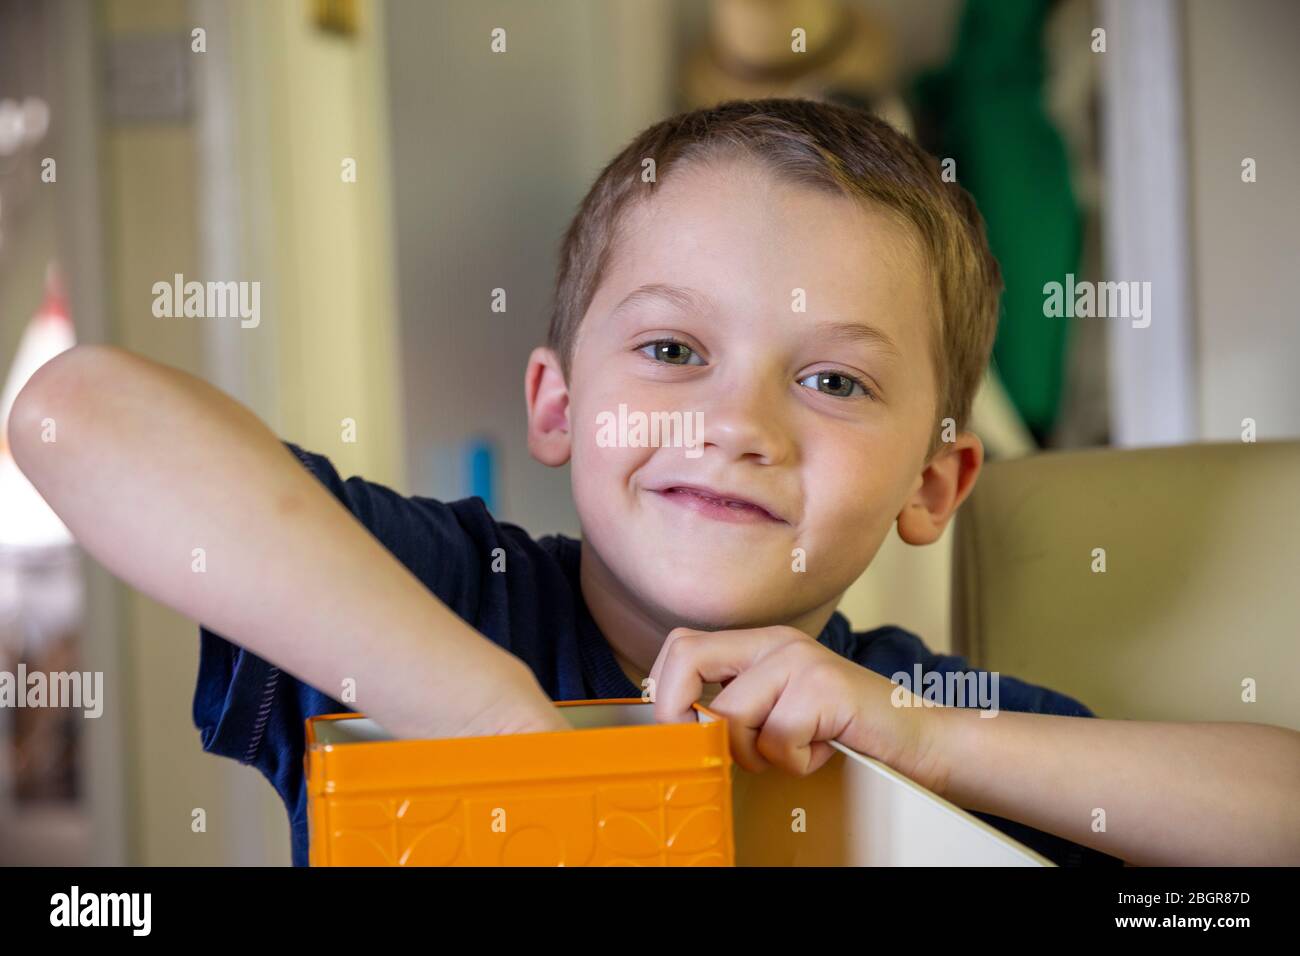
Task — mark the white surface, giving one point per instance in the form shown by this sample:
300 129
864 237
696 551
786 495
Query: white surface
858 812
1152 369
1241 81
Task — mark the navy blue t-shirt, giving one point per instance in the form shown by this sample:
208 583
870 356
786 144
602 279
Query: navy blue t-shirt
249 709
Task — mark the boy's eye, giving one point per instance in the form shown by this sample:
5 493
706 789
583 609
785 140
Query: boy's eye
672 352
836 383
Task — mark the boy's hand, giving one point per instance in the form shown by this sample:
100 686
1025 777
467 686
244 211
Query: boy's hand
503 698
516 705
785 696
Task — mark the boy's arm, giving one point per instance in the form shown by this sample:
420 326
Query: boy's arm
1184 794
1173 793
149 463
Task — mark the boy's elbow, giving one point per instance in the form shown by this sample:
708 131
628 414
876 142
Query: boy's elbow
52 396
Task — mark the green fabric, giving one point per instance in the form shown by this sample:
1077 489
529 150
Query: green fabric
987 105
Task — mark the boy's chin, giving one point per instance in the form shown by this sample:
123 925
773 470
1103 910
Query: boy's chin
722 601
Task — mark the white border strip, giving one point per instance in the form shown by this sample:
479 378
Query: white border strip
1152 370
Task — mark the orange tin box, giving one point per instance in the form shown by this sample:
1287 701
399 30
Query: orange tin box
619 789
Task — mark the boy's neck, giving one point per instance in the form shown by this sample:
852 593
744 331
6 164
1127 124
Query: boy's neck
636 634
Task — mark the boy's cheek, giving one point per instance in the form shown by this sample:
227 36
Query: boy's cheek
600 475
848 522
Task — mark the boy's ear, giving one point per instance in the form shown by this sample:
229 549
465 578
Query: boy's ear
947 480
547 395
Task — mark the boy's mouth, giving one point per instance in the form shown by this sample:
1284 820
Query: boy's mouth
721 506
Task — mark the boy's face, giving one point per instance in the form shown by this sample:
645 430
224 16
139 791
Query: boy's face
815 423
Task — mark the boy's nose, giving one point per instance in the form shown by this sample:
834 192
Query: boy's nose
748 422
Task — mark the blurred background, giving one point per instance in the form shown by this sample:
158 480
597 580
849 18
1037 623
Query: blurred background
380 170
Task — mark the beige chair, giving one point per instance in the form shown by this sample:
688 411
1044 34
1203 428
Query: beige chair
1200 593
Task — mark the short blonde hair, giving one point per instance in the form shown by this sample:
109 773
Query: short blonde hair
825 146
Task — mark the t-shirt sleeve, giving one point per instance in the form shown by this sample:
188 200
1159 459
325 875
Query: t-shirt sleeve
892 650
250 710
1012 693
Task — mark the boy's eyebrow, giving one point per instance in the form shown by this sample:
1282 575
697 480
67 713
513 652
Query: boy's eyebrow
692 300
860 332
686 299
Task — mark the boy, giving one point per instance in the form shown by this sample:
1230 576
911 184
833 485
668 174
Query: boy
800 277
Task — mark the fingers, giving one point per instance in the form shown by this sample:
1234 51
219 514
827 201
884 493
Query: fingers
792 738
771 725
689 659
770 722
